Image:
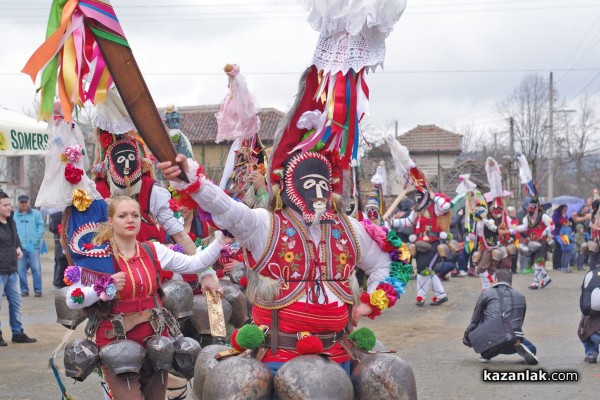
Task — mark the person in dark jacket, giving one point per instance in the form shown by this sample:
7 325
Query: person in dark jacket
60 259
488 307
10 252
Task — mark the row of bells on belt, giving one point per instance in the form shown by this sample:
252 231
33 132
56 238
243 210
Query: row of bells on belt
179 299
374 376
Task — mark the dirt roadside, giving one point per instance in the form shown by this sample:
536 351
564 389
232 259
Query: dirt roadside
427 337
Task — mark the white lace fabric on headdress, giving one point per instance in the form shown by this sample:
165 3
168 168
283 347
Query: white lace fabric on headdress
353 32
112 116
55 191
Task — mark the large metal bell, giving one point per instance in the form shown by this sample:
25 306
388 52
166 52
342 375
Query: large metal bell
125 357
199 317
186 353
204 363
177 298
239 305
384 376
81 358
312 377
238 378
160 352
64 315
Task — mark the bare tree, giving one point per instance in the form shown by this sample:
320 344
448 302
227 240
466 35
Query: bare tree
578 136
528 106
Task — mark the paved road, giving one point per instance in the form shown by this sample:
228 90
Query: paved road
429 338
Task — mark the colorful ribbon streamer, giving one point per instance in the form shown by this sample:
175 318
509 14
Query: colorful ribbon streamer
70 52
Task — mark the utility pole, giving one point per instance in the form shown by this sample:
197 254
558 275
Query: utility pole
511 155
551 139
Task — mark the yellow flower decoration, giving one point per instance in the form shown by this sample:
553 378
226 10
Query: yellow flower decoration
63 158
342 258
81 200
289 256
404 253
379 299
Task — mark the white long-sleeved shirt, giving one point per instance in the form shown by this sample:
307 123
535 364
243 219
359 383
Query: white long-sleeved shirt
169 260
160 209
251 227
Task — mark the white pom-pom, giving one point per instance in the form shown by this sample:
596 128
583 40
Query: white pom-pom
443 235
412 238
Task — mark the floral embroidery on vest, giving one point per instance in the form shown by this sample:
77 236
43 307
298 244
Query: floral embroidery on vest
291 258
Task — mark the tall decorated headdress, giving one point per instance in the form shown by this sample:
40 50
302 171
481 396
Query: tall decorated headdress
475 205
496 194
409 174
375 205
333 94
527 179
238 120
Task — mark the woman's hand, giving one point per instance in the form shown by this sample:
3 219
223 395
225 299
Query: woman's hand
228 266
119 280
210 282
362 310
170 171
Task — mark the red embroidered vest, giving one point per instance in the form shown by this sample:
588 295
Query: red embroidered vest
292 258
537 231
426 222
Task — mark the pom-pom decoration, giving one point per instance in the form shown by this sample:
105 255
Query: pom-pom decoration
77 296
72 275
233 341
308 345
105 288
73 174
364 338
250 337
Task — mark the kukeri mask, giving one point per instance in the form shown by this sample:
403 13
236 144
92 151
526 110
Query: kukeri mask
124 163
307 187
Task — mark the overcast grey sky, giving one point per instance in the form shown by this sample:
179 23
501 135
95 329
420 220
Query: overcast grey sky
448 62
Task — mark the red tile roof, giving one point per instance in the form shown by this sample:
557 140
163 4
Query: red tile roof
430 138
200 125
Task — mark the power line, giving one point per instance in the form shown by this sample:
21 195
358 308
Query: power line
384 72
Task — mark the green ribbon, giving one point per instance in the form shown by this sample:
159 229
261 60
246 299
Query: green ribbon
393 239
50 73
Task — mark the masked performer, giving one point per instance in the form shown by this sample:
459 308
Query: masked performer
430 220
537 226
304 250
375 205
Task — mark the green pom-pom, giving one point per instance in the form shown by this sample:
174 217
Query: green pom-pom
250 337
364 339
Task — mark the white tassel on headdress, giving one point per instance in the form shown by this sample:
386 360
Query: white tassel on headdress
465 184
402 161
380 177
524 170
494 176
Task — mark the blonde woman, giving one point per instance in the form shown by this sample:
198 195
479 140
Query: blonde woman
132 289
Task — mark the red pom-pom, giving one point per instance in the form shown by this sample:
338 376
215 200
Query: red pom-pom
220 273
434 298
243 281
309 345
234 343
419 298
490 278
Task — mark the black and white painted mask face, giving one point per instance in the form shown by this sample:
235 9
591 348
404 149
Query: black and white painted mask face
307 187
421 199
124 162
